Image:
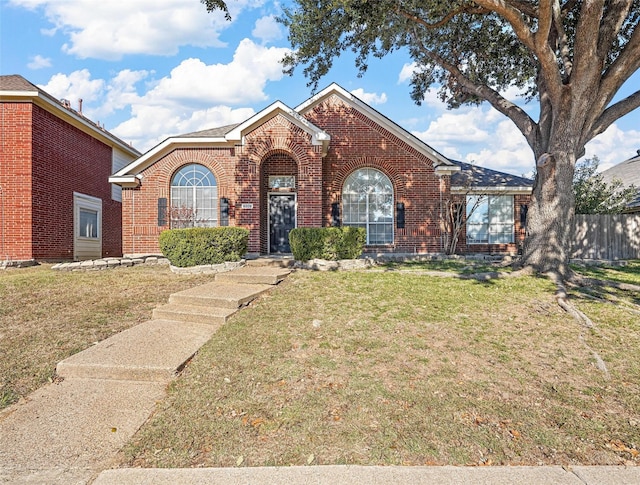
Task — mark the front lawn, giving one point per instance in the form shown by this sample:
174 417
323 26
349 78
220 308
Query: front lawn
46 315
400 367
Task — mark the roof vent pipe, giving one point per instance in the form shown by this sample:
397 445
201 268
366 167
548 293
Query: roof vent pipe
80 106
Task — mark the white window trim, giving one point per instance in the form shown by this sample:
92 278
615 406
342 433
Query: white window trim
89 203
472 242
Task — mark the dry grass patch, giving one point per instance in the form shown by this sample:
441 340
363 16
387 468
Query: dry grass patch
400 368
46 315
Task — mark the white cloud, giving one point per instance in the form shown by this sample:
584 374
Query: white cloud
406 72
39 62
478 136
369 98
242 81
267 29
112 29
150 125
613 146
77 85
462 127
194 96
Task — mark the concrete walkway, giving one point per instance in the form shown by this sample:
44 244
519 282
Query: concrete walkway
70 432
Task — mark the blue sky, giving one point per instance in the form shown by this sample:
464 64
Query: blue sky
149 69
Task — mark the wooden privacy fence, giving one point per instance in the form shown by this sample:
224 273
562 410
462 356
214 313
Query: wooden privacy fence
606 236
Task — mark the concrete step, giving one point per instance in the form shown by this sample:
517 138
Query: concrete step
219 294
265 275
273 261
193 313
153 351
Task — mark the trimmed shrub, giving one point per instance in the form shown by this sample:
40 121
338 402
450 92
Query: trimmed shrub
204 245
330 243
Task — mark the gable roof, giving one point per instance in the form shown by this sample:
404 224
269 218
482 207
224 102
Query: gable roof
629 173
15 88
229 135
442 163
473 178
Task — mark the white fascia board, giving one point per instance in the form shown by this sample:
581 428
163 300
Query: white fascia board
457 189
446 169
69 116
376 116
163 148
125 181
318 136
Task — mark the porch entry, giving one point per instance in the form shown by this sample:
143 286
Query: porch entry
282 218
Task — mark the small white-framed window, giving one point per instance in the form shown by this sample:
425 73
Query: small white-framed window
87 226
490 219
88 223
87 216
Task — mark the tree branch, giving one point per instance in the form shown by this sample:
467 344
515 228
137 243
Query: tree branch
444 20
613 113
627 63
563 45
545 20
516 114
585 53
621 69
537 45
611 24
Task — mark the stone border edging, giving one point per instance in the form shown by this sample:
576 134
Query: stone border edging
109 263
209 268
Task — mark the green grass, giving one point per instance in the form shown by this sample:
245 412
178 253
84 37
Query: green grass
400 368
364 367
628 273
46 315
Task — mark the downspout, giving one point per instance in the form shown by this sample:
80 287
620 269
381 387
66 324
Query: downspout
133 222
441 220
3 250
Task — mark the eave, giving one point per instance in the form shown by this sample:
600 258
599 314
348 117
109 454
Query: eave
457 189
71 117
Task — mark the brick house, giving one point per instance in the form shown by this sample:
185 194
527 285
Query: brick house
332 160
56 202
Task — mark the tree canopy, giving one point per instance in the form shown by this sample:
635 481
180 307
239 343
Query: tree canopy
471 51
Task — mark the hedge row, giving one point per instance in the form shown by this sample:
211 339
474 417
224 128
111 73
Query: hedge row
330 243
204 245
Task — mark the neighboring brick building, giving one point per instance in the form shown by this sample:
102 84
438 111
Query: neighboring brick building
332 160
56 202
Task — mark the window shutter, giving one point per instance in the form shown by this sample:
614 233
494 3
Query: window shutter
400 215
224 211
335 214
162 211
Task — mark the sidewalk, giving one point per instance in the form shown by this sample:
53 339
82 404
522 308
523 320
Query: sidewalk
375 475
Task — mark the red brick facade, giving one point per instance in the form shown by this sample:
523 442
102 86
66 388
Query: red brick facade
280 144
44 159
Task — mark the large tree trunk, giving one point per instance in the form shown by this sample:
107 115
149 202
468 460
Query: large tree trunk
548 242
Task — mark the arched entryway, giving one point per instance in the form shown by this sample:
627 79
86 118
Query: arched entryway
278 202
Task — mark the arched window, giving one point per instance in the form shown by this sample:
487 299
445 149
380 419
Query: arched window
367 201
194 197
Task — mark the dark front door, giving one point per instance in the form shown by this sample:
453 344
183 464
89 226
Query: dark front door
282 218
